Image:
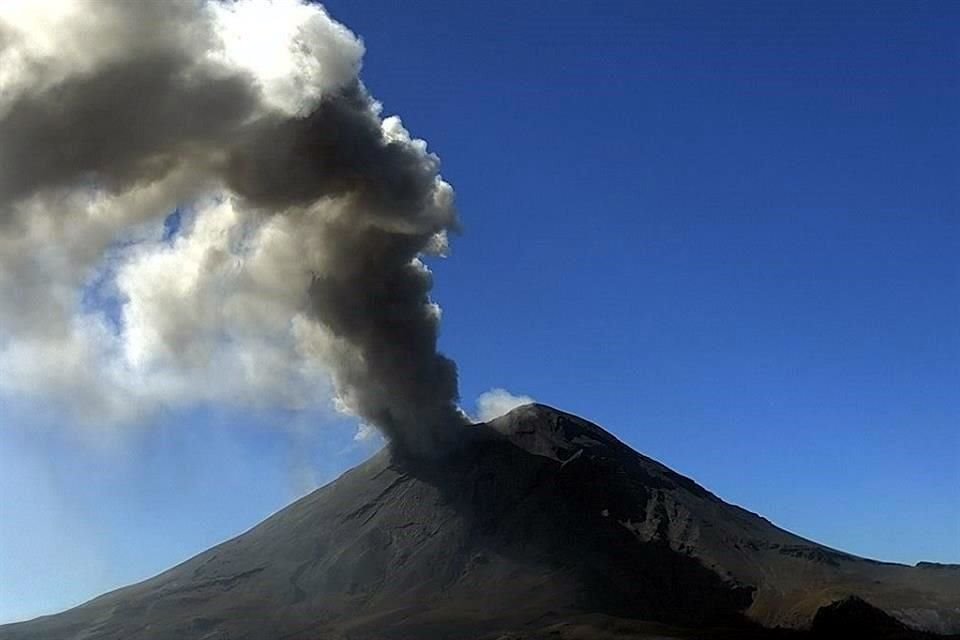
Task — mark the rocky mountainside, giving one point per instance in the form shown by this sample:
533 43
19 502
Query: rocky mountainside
544 525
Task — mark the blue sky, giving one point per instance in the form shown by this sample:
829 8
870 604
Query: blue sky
726 232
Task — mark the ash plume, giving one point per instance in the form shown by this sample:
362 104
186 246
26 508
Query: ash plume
200 202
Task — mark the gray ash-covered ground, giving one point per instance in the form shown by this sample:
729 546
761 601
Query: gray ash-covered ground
541 525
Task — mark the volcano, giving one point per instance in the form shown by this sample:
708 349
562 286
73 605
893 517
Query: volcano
542 525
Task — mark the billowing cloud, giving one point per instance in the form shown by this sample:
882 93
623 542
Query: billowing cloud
200 202
496 402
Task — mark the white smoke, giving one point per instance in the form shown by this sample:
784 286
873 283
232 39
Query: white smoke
199 202
496 402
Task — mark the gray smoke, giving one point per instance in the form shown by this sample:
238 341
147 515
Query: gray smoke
301 218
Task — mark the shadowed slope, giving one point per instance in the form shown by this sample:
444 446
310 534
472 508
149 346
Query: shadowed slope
793 576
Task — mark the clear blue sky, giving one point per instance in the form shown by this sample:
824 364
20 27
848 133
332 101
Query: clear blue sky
729 233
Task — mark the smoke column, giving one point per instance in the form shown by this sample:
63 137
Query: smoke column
200 201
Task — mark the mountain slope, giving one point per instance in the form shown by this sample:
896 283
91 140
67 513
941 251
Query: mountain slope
542 517
793 576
